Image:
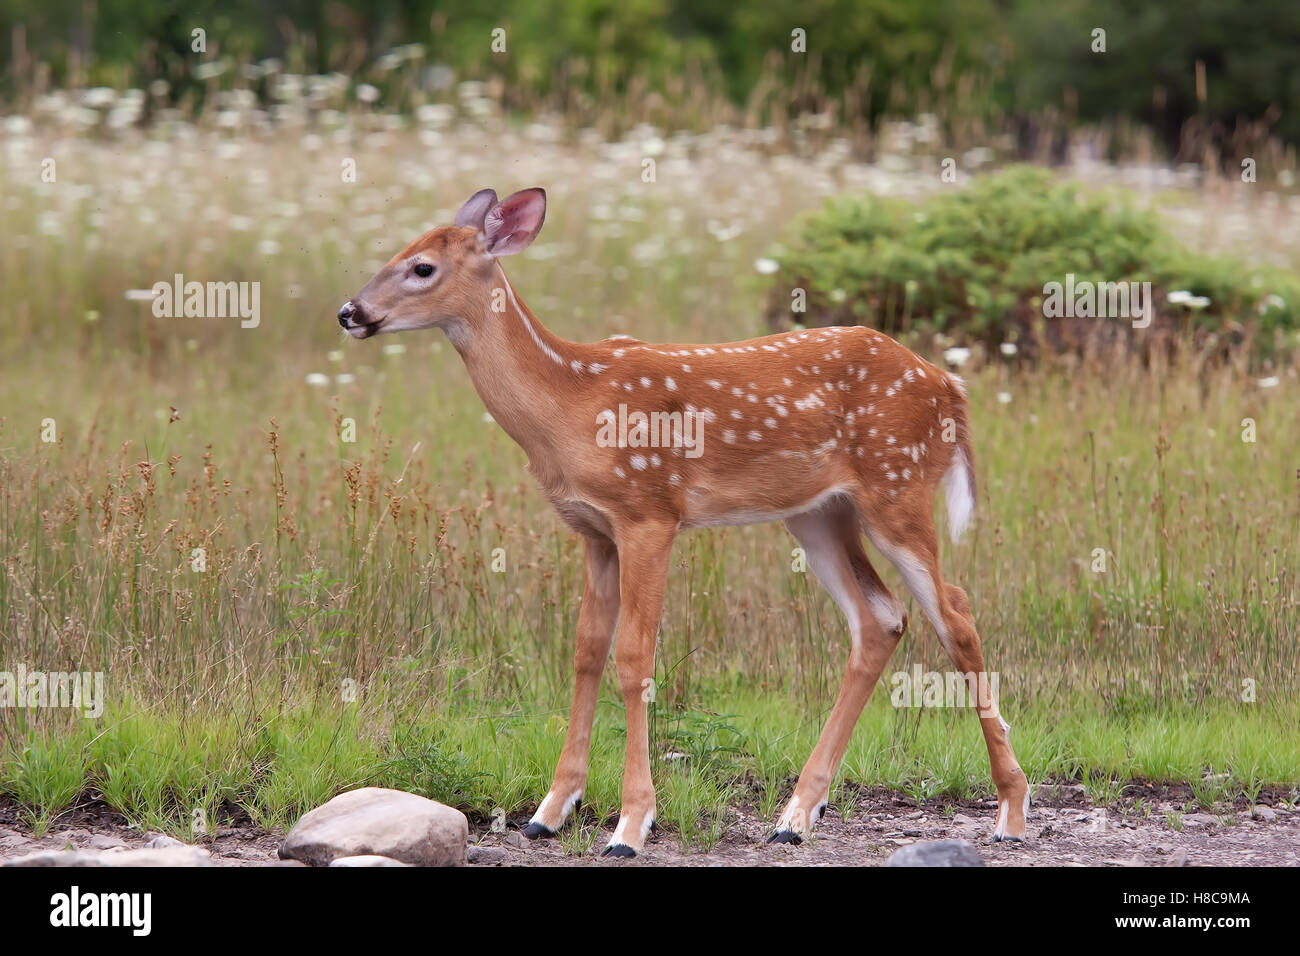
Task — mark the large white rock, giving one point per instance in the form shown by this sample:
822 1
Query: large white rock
374 821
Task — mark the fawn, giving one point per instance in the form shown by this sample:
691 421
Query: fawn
835 431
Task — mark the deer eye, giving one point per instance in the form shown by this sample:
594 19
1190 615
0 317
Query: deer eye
424 270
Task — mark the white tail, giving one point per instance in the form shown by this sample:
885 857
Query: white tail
958 492
826 429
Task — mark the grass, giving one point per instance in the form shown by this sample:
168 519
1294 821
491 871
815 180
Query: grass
347 627
179 772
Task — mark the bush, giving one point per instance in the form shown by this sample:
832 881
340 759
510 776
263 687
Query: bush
973 264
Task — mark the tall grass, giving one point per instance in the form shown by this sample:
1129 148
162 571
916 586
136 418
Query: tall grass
348 626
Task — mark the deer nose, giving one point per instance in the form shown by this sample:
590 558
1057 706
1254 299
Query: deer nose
346 313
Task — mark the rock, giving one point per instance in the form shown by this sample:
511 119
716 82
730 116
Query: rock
379 822
936 853
486 855
161 840
1178 858
99 841
516 839
1199 820
366 860
166 856
1261 812
961 820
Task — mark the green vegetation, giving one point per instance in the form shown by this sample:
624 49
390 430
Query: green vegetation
158 764
968 61
973 264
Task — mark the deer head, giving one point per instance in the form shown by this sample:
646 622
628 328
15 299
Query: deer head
442 277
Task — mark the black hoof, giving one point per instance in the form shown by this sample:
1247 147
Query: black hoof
785 836
619 849
535 831
1007 838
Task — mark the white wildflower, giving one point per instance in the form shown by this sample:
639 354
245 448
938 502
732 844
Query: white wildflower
956 356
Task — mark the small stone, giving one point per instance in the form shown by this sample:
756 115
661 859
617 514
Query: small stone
1199 820
486 855
161 840
516 839
1261 812
937 853
1178 858
366 859
961 820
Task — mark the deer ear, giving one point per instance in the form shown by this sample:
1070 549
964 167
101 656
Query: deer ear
476 208
514 223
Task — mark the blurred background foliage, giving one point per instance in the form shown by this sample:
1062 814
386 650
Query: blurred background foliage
958 58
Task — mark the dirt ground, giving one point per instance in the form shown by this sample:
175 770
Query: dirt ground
1064 830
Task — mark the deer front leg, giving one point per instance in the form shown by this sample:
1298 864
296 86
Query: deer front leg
596 620
644 551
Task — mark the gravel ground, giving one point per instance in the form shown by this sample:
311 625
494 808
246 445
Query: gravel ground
1147 828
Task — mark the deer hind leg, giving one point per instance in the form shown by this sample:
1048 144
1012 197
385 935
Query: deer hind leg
829 537
596 620
948 610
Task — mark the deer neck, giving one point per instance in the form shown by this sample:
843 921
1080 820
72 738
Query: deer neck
520 371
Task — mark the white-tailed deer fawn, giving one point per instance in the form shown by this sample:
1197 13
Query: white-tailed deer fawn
834 431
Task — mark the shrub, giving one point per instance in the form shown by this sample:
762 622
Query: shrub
973 264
